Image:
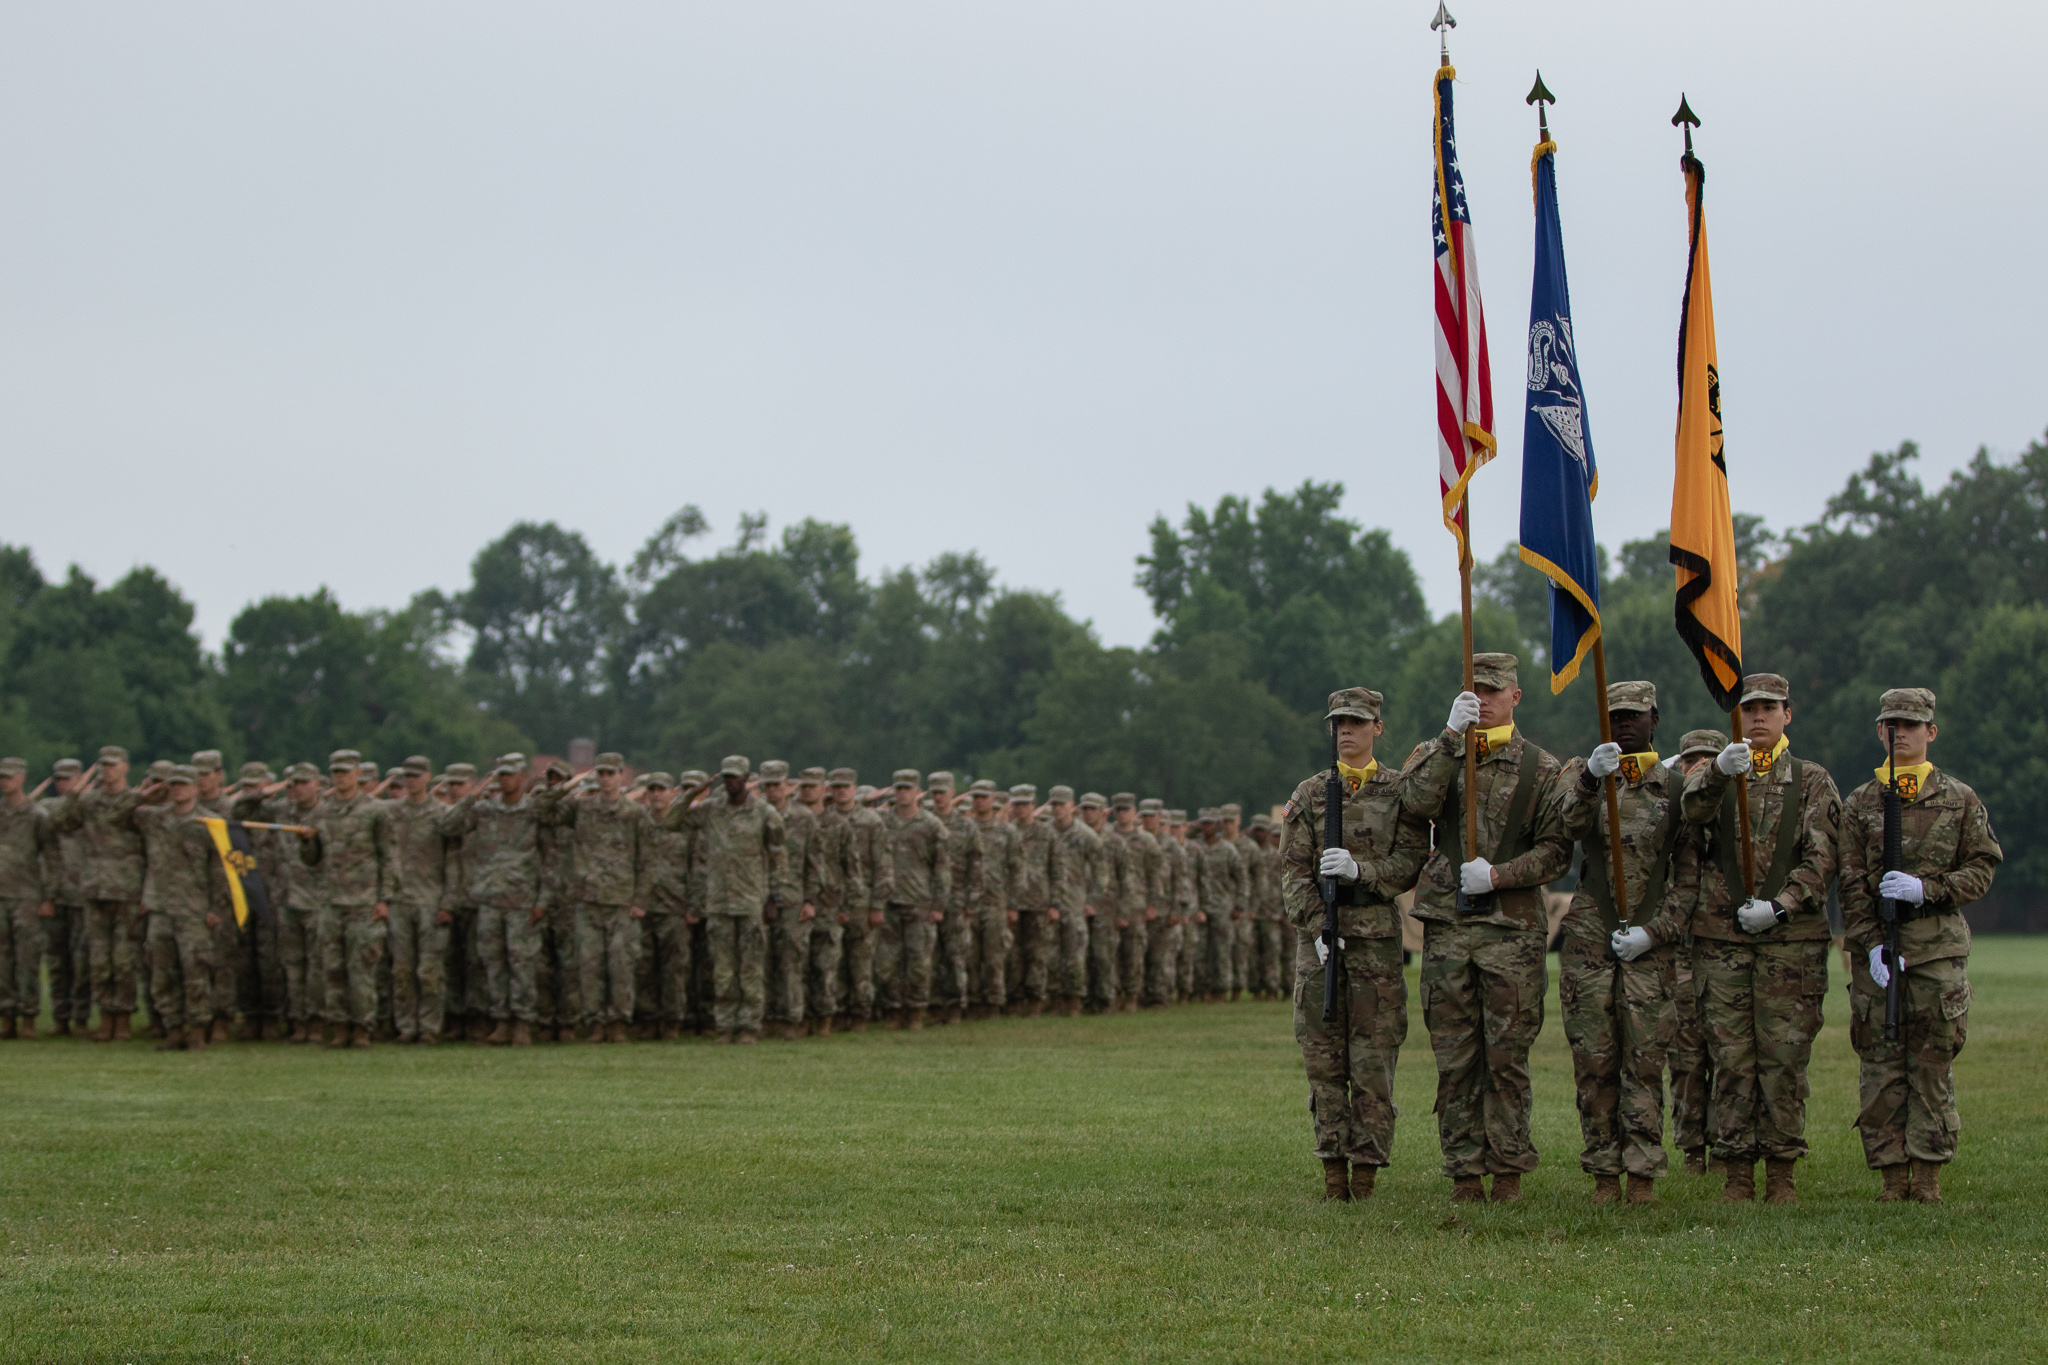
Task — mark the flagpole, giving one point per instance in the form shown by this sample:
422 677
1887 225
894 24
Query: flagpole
1742 807
1471 747
1608 782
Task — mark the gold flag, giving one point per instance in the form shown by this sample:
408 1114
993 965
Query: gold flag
236 863
1702 527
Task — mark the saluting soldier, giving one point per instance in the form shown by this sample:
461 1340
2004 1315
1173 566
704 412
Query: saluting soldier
1948 855
1350 1059
64 949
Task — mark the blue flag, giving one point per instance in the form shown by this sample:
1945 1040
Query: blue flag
1559 478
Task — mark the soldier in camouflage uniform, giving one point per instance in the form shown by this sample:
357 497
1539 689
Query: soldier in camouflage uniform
1483 965
1080 873
917 842
609 841
294 892
419 913
1692 1075
840 877
1269 921
97 812
1160 918
359 873
1242 935
184 896
64 950
1948 855
1219 889
558 974
500 832
861 918
951 989
1616 980
1180 973
1761 961
259 967
1135 868
741 866
28 864
662 972
1350 1058
789 932
1041 872
1000 849
466 994
215 800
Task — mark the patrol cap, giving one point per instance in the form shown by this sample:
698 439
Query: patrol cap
609 763
1496 671
1765 687
1094 801
1207 816
256 770
512 763
184 772
984 786
1632 696
368 770
344 758
1360 702
1124 801
1177 817
695 777
939 782
843 777
1702 742
207 761
905 777
460 772
865 792
1060 793
1907 703
653 780
1151 805
558 767
160 771
13 767
811 777
1024 791
113 753
1229 809
302 772
418 763
1262 821
67 767
1044 815
774 770
734 765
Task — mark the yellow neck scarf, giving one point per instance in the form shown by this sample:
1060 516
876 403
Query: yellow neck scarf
1496 738
1354 778
1761 763
1635 767
1912 781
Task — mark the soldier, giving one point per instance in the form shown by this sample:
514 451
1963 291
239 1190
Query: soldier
950 988
1041 871
1350 1058
693 788
789 932
353 847
215 800
1219 885
607 840
1002 858
420 913
917 904
861 919
1135 869
64 950
741 867
839 890
97 810
184 897
1761 960
500 833
294 891
1162 922
1073 896
28 863
1484 929
1691 1076
662 973
558 975
1615 981
1948 855
259 970
1242 935
466 993
1269 918
1188 944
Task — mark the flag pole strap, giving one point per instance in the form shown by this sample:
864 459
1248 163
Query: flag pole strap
1608 783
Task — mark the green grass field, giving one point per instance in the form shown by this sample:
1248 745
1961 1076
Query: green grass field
1135 1187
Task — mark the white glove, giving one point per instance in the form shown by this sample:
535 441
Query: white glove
1879 973
1476 877
1340 864
1733 759
1902 886
1629 944
1604 760
1323 949
1464 713
1755 916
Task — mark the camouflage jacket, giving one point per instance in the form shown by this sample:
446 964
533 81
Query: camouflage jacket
605 844
353 848
1945 841
924 871
1123 865
838 877
668 867
110 846
1081 872
1433 787
1002 863
1270 902
1644 807
802 845
1388 842
420 851
877 861
963 854
1148 875
1804 896
1219 878
290 884
1041 869
741 856
1250 903
185 876
67 865
1176 878
500 848
28 853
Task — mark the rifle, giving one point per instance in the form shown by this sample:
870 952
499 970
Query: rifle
1888 909
1333 837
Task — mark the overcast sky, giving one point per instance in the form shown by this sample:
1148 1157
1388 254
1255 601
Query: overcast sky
305 294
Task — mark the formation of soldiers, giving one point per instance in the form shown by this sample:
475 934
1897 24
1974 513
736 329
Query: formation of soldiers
1713 977
516 906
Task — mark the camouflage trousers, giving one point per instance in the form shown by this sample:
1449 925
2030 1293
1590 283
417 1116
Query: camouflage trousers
858 941
468 989
1188 956
1691 1076
21 959
1037 938
509 943
1219 949
558 971
1103 940
949 969
1273 937
419 969
351 945
661 972
738 946
823 940
1131 940
1163 939
64 953
1760 1004
607 955
113 932
903 957
1243 937
180 950
788 956
1619 1018
305 980
1482 1001
227 962
989 962
1350 1060
1070 954
259 969
1907 1088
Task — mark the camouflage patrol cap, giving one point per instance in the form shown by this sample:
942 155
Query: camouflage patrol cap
939 782
207 761
1094 801
734 765
13 767
1765 687
367 770
558 767
1907 703
1207 816
1360 702
811 777
609 763
1124 801
160 771
302 772
1708 742
984 786
1060 793
1228 810
1151 805
67 767
1632 696
1496 671
256 770
1262 821
695 777
1024 791
1176 817
511 763
1044 815
113 753
418 763
651 781
344 758
184 772
775 770
906 777
843 777
460 772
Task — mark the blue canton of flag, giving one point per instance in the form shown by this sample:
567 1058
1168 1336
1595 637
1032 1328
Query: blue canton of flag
1559 478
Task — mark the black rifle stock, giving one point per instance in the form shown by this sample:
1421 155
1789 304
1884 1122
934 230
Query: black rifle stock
1333 837
1887 908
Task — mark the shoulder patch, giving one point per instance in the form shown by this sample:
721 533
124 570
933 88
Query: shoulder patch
1291 808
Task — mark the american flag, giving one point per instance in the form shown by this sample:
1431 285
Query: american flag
1464 381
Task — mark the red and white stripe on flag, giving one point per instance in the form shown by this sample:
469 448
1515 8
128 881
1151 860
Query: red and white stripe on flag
1464 379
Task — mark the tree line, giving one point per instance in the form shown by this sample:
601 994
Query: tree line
780 647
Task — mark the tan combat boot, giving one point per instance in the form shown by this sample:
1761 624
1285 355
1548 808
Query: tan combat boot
174 1041
1898 1183
121 1031
1507 1189
1695 1161
1468 1189
856 1023
337 1035
1642 1189
25 1028
195 1040
824 1027
748 1035
1741 1185
1927 1182
1606 1189
914 1020
359 1036
1778 1183
105 1031
522 1036
1362 1179
671 1032
615 1032
1336 1180
298 1034
500 1034
219 1034
1073 1007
